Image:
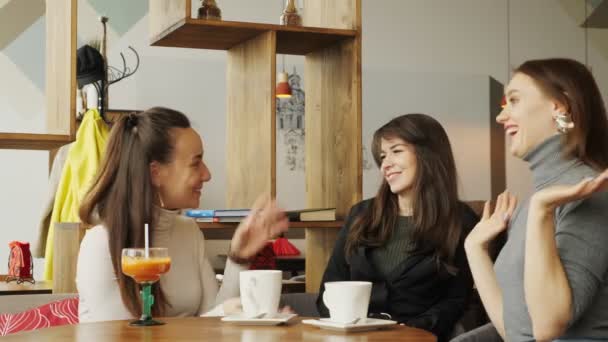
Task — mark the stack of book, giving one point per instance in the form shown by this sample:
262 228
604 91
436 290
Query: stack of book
218 215
237 215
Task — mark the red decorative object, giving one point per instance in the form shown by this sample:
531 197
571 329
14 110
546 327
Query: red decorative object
265 259
54 314
282 247
503 102
20 265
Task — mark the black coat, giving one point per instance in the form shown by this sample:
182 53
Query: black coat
416 292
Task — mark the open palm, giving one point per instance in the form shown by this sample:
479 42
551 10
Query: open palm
265 222
492 223
556 195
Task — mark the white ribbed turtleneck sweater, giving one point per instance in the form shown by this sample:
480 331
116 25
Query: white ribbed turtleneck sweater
190 285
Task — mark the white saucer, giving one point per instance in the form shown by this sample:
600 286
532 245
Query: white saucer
368 324
241 319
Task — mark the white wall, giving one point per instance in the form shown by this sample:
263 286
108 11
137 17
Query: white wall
434 52
460 102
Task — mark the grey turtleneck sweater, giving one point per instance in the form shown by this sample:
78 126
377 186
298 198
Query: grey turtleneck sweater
581 232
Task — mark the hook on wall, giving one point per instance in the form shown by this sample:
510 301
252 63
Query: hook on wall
116 75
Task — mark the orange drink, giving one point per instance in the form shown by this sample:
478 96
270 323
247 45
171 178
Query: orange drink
145 270
145 266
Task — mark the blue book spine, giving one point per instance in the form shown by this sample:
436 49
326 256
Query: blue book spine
200 213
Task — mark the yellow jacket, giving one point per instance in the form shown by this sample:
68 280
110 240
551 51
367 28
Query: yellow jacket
83 160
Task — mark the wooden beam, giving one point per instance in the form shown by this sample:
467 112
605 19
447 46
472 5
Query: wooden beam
251 122
333 126
61 25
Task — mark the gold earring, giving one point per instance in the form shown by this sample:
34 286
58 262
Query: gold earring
564 122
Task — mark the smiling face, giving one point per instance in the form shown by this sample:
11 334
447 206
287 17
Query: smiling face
528 115
398 164
180 181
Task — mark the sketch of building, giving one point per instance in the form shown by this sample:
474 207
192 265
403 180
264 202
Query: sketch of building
290 123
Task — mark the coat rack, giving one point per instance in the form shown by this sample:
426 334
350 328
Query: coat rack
111 74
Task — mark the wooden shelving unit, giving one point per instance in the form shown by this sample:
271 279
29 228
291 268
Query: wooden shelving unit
223 35
60 94
330 40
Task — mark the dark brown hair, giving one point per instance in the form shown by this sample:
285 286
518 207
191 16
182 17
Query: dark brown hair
572 84
437 210
122 194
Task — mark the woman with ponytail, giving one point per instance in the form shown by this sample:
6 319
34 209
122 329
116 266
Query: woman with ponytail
153 167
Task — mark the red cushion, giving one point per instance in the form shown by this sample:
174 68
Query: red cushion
57 313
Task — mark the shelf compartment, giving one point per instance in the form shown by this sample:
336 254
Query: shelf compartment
223 35
298 224
225 230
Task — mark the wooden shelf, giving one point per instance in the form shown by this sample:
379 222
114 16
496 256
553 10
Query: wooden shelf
31 141
223 35
309 224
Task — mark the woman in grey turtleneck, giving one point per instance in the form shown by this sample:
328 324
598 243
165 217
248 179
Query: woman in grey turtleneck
550 279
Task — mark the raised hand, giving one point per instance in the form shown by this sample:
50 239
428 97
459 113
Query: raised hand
492 223
551 197
265 222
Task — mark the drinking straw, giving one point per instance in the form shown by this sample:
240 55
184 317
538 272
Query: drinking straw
146 250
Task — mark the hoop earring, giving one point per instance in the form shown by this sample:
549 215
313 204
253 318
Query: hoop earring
160 199
564 123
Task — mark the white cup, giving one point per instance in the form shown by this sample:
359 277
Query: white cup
347 301
260 292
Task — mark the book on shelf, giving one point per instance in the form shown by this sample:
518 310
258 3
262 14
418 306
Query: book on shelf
199 213
314 214
203 213
231 212
220 219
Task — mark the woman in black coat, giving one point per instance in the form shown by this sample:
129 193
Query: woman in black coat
408 239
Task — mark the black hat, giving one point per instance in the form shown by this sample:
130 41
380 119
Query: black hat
90 66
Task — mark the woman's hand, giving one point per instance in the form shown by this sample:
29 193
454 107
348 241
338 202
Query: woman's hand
232 306
552 197
265 222
491 224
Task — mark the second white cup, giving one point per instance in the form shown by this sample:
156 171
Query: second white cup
347 301
260 292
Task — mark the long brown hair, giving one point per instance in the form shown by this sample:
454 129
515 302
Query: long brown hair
437 210
570 83
122 195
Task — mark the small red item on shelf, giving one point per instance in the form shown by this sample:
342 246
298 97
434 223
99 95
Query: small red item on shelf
20 265
282 247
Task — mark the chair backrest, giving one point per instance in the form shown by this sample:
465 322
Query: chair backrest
304 304
67 237
477 206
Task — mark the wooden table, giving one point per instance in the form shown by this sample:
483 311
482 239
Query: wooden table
12 288
212 329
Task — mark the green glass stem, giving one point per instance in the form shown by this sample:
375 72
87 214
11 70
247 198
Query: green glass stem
147 300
